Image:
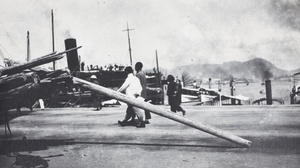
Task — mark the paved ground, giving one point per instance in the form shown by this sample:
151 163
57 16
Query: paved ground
80 137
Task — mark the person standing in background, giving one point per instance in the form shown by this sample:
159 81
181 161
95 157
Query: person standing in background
97 98
173 95
179 91
142 77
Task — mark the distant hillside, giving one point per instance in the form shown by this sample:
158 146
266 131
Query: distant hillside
256 69
294 71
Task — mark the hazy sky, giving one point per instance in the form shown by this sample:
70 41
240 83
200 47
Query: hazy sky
182 31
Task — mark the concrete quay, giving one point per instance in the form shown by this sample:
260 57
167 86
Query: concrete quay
81 137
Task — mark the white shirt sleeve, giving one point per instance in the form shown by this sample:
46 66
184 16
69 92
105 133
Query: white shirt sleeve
124 85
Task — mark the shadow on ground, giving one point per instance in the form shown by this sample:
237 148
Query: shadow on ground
11 148
12 114
24 145
275 145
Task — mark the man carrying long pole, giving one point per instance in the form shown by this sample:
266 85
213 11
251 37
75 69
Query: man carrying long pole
162 112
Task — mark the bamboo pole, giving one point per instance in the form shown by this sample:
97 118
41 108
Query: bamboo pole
162 112
35 62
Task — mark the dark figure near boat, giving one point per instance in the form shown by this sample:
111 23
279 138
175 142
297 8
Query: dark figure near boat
174 95
97 99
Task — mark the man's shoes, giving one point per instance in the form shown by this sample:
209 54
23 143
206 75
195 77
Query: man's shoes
127 123
183 112
141 125
123 123
147 122
131 122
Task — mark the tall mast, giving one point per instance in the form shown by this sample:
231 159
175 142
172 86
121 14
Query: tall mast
129 43
220 94
157 62
53 48
28 47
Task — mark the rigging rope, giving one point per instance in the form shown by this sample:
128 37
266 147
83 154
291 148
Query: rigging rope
7 34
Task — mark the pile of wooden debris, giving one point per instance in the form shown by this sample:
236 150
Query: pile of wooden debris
22 85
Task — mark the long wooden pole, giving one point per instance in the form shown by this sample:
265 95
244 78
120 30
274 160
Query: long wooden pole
35 62
162 112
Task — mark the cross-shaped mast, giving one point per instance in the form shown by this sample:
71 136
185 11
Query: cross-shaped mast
129 43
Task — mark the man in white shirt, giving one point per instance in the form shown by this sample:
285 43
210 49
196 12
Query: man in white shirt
132 88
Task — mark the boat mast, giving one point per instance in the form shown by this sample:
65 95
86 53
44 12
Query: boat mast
28 47
157 62
129 43
52 23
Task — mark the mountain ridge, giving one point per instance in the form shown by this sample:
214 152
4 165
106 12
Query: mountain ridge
256 69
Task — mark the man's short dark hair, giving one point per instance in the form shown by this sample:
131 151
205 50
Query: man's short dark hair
170 78
129 69
139 65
